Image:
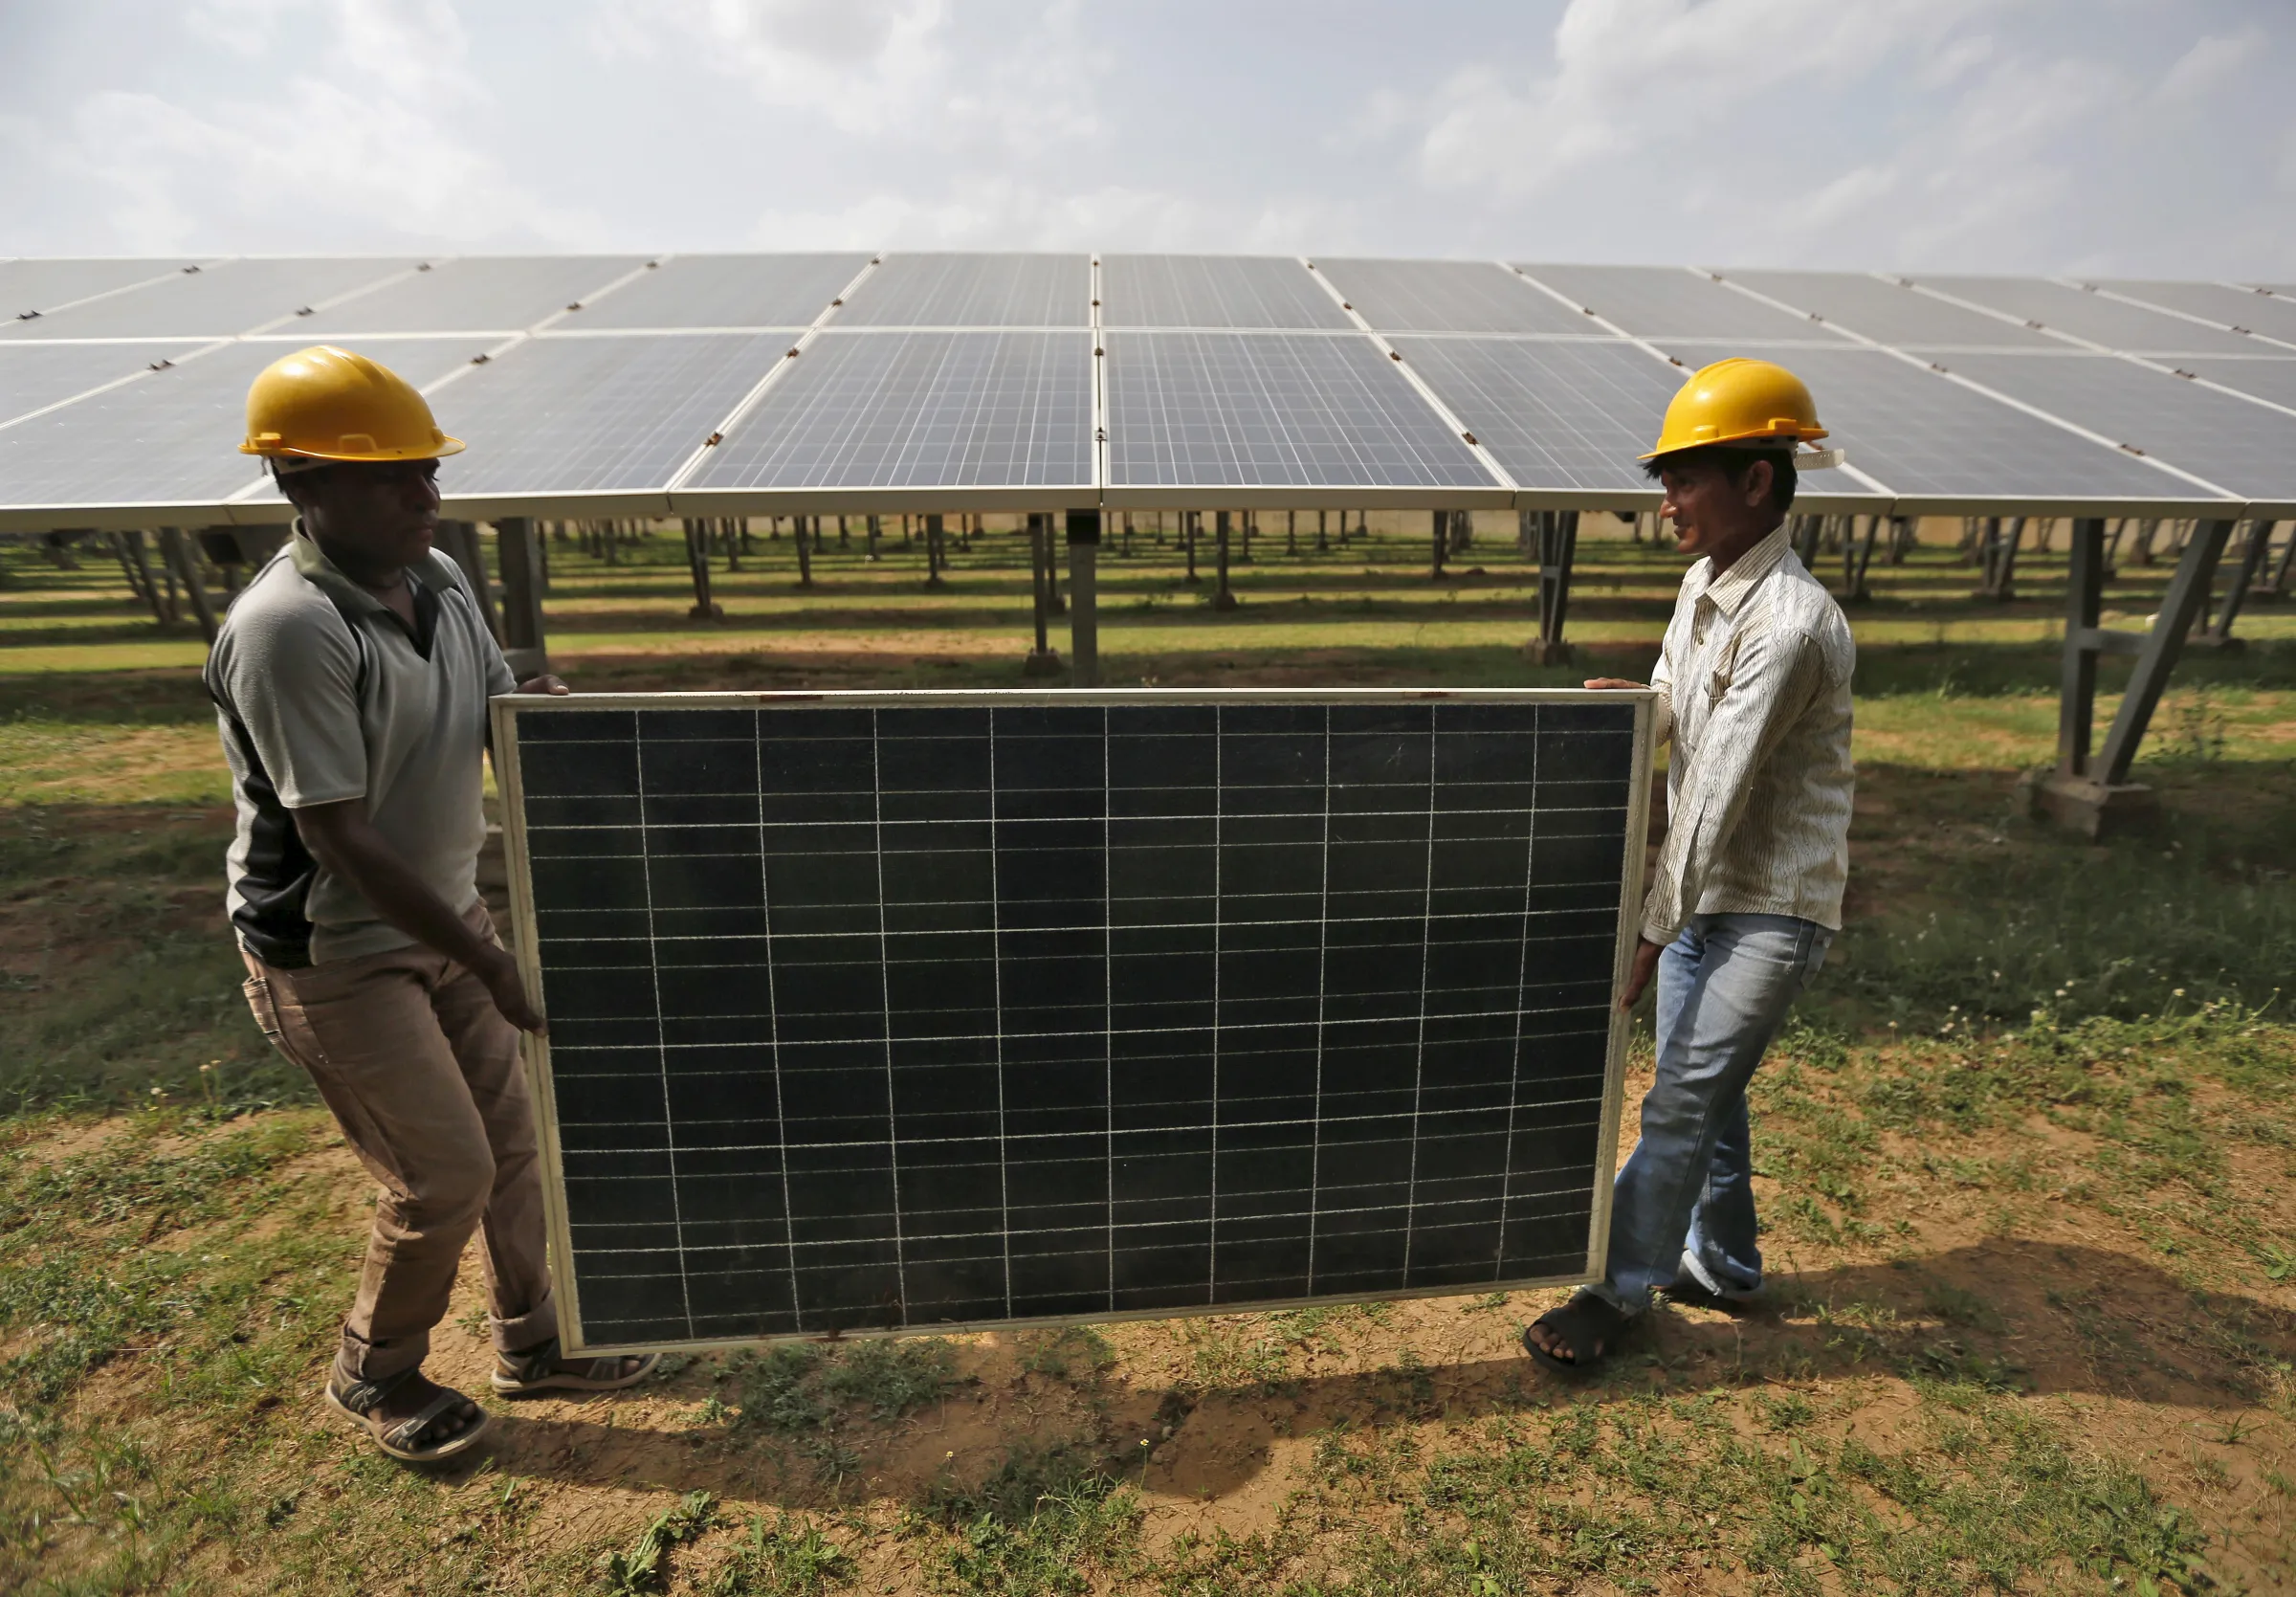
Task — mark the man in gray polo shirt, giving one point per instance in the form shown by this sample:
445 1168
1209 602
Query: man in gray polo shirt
351 681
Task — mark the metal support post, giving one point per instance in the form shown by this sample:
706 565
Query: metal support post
1323 542
519 552
1084 618
2092 794
1557 548
460 540
1221 597
1187 537
805 551
2217 634
176 550
1803 533
1442 523
1857 554
1041 660
1291 532
2280 573
875 528
698 565
936 553
1998 556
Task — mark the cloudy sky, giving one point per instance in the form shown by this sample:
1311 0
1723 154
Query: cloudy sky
2134 136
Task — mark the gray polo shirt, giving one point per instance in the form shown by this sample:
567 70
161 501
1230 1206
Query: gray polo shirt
324 694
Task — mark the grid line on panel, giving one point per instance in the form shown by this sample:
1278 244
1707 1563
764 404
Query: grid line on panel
893 1101
1211 1277
1553 415
1419 1049
1522 986
996 928
1323 957
654 968
773 1020
1108 995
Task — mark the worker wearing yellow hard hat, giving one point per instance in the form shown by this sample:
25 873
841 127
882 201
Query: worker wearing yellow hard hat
1752 685
351 680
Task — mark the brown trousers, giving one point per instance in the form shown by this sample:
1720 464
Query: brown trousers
423 1074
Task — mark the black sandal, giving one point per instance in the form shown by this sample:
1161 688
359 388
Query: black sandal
537 1369
1589 1324
359 1401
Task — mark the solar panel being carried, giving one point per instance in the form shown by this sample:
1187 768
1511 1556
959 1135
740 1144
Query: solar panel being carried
918 410
1450 297
1214 291
1272 411
725 290
934 1010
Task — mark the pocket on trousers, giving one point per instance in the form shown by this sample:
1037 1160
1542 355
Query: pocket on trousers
265 1008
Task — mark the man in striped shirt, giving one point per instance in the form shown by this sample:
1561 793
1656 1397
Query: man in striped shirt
1753 686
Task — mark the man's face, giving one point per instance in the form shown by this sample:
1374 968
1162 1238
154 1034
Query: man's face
384 513
1709 511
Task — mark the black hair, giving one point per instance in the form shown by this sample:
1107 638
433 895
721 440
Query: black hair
1736 463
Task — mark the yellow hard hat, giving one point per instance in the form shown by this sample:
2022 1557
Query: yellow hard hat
327 404
1738 401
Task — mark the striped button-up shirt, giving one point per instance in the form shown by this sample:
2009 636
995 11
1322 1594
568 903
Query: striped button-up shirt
1753 687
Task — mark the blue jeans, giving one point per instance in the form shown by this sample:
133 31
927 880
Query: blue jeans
1724 986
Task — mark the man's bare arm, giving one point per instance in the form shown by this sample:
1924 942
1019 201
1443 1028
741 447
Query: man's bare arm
344 840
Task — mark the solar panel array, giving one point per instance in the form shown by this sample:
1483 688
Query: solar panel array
931 1010
625 385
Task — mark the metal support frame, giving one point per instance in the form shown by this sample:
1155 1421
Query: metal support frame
1188 522
1041 660
1997 559
1084 615
519 552
805 551
177 552
2278 588
1442 540
1222 596
1857 555
1558 532
937 550
2093 794
698 565
2217 634
460 541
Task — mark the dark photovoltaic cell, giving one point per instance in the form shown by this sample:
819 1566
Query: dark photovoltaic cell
218 302
168 437
2087 316
1655 301
1214 291
1450 297
928 1015
42 285
725 290
919 411
2238 307
1889 313
32 376
1916 432
2243 449
477 294
1273 409
2274 380
579 414
1554 413
974 291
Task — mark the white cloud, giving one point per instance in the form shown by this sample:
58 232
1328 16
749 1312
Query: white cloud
861 64
2212 63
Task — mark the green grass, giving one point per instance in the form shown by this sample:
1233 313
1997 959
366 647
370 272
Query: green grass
2031 1233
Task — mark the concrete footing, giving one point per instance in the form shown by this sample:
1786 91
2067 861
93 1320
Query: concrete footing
2092 809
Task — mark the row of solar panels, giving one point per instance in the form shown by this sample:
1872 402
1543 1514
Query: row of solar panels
730 384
